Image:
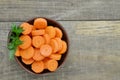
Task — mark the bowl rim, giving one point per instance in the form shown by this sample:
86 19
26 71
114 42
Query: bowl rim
68 44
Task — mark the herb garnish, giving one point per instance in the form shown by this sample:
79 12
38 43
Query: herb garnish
14 40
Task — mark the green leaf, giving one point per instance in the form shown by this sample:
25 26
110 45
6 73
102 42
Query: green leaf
11 54
20 29
11 46
14 40
17 41
17 30
13 29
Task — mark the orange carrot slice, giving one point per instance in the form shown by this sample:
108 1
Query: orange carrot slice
37 56
64 48
50 30
37 66
59 41
46 50
27 53
26 27
52 65
26 41
17 53
45 61
40 23
37 41
58 32
33 28
38 32
27 61
54 45
47 38
55 56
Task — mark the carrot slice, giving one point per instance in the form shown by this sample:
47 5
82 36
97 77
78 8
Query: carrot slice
59 41
55 56
52 65
27 53
45 61
54 45
38 32
46 50
27 61
33 28
64 48
40 23
37 56
47 38
50 30
26 27
37 41
17 53
26 41
37 66
58 32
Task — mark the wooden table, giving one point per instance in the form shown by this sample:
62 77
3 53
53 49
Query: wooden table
94 41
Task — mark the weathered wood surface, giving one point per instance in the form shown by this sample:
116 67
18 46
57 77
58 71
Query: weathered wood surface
94 53
21 10
94 45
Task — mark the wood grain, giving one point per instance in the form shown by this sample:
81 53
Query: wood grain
91 57
98 29
21 10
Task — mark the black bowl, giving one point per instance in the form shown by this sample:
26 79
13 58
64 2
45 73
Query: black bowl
60 62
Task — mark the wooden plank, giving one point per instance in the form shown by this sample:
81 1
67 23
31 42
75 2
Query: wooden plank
21 10
91 56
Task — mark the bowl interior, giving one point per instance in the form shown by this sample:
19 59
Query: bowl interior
65 38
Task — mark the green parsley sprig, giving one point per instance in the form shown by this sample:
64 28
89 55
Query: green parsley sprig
14 41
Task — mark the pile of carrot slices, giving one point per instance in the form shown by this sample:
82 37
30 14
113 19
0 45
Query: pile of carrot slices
42 45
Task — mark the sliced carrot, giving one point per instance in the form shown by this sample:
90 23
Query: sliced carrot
52 65
46 50
28 61
38 32
37 56
33 28
26 27
45 61
55 56
54 45
37 66
50 30
58 32
17 53
47 38
27 53
26 41
59 41
37 41
64 47
40 23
